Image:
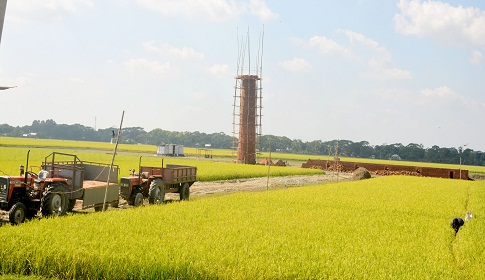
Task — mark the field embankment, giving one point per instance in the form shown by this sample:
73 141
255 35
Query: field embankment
388 227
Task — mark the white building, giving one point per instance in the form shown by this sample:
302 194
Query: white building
171 150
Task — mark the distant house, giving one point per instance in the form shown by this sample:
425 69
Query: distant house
395 157
171 150
30 135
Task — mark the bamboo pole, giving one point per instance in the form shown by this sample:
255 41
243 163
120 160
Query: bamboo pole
113 160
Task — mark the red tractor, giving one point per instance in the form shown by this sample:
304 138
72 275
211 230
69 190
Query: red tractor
154 182
24 195
63 180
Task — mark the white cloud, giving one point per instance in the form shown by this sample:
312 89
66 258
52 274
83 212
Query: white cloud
357 37
66 5
219 69
166 49
259 9
398 95
45 10
296 65
440 92
443 97
76 80
476 57
387 74
196 97
439 96
330 47
380 58
442 22
209 10
144 66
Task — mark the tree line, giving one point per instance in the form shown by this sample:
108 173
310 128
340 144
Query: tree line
49 129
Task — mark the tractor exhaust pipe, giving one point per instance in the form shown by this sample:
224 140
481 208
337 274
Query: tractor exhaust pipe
27 166
139 169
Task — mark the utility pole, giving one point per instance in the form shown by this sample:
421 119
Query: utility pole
337 160
3 8
461 152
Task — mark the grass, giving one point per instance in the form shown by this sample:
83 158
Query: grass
389 227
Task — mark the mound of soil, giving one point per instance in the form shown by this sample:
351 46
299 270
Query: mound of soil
360 174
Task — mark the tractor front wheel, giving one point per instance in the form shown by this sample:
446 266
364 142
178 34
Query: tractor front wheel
17 213
54 201
138 200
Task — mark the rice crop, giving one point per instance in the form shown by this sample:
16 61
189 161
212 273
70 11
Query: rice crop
72 144
383 228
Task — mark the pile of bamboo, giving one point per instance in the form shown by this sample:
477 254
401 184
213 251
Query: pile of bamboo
388 172
336 167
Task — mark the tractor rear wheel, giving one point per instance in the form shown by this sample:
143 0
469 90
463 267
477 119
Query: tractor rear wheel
156 192
138 200
17 213
54 201
184 191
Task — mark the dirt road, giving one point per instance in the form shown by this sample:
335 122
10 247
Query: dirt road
260 184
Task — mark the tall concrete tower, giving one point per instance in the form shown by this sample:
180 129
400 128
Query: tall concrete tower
247 106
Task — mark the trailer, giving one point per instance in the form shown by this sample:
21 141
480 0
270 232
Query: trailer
154 182
87 181
63 180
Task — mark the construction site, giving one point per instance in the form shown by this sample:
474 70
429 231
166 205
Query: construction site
386 169
247 106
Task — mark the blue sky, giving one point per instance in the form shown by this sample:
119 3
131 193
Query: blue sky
403 71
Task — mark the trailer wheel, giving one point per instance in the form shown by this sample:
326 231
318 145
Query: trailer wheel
138 200
184 191
54 201
70 206
17 213
100 208
156 192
